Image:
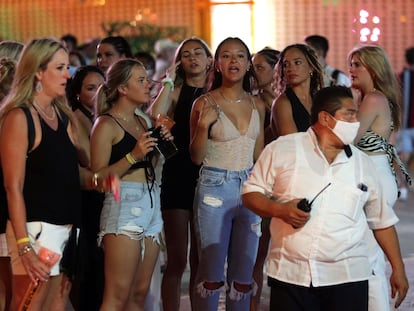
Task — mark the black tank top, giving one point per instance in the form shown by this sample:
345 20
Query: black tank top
52 186
299 112
125 145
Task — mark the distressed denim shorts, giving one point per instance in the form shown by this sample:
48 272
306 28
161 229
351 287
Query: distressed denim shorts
137 215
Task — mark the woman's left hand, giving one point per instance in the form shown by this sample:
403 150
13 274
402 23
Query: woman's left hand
166 133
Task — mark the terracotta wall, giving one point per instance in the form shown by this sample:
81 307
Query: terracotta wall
282 22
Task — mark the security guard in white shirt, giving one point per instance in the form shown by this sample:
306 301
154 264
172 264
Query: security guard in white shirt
318 257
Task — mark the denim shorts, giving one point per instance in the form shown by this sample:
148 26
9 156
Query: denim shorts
137 215
42 236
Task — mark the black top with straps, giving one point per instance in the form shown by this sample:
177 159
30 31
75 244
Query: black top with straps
299 112
125 145
52 183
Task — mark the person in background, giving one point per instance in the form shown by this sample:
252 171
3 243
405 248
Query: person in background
331 76
87 291
11 49
130 228
149 62
70 41
110 49
7 68
226 137
185 82
88 50
9 55
37 122
379 102
316 260
264 63
298 76
405 136
81 93
76 60
164 56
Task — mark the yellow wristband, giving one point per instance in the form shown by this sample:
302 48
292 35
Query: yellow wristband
131 160
23 240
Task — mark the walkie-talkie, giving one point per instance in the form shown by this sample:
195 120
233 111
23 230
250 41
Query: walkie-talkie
305 205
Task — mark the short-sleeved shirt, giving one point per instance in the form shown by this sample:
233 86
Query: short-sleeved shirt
330 249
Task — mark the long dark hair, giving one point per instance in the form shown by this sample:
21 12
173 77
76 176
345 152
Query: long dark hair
216 77
75 84
316 82
180 76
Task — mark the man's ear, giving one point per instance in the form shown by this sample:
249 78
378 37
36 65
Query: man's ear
323 118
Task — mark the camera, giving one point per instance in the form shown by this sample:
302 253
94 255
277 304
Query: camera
165 147
304 205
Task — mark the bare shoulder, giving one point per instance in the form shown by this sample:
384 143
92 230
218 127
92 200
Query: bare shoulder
201 101
260 104
15 116
374 100
105 124
282 104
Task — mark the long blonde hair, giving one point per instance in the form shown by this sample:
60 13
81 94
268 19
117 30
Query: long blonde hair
375 60
35 56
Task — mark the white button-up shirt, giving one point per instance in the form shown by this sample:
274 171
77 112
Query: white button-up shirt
331 248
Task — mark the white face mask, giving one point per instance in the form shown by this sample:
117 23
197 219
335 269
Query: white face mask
345 131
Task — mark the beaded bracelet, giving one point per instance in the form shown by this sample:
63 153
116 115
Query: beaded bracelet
131 160
23 240
25 249
168 81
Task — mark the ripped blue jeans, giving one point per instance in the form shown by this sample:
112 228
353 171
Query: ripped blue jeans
226 230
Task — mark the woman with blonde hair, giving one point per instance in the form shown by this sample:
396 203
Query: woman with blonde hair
378 97
122 143
39 138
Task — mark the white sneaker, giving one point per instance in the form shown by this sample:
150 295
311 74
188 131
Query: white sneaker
403 194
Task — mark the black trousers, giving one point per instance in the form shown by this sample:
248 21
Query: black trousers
342 297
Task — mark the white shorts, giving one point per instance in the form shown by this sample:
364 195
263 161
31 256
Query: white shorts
42 235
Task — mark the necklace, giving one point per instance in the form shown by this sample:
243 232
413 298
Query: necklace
43 112
136 125
236 101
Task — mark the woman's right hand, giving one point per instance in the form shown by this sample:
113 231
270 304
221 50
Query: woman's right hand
172 70
35 268
208 115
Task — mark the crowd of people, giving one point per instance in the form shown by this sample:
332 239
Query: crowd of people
122 167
